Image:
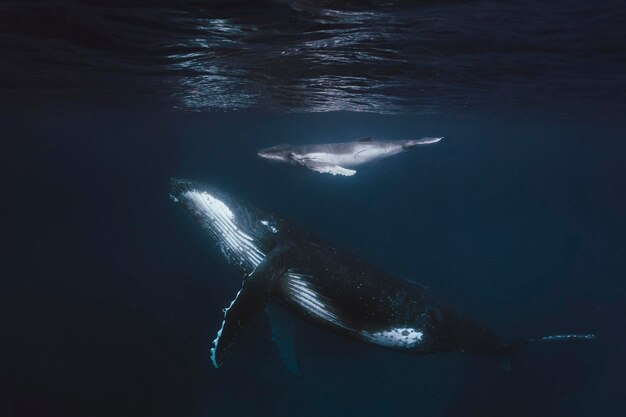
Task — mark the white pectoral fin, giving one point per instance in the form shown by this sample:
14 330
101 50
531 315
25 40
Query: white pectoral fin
326 168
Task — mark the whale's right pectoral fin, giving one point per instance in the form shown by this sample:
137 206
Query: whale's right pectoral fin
326 168
282 336
248 303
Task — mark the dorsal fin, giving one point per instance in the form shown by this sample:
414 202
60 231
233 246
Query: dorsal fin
367 139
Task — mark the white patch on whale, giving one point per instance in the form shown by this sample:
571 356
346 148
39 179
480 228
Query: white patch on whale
332 169
220 331
328 158
222 221
397 337
301 292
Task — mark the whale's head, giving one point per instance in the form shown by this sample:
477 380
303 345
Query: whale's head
244 233
279 153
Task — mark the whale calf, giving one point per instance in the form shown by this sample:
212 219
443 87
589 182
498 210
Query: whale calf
287 266
340 158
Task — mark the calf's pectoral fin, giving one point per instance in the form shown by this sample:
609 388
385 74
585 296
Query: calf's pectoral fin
326 168
248 303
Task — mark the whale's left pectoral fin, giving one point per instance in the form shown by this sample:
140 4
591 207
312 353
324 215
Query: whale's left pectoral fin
247 304
326 168
244 307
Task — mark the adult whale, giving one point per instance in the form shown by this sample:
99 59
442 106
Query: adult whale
340 158
327 286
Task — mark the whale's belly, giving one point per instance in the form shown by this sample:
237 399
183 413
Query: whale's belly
367 154
341 159
348 159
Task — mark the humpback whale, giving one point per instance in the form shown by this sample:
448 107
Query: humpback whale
340 158
285 265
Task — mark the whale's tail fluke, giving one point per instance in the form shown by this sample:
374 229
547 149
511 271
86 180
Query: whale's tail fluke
512 347
508 350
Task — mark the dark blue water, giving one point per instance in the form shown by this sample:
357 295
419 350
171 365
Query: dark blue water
110 295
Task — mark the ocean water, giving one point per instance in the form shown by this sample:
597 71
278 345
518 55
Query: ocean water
110 295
